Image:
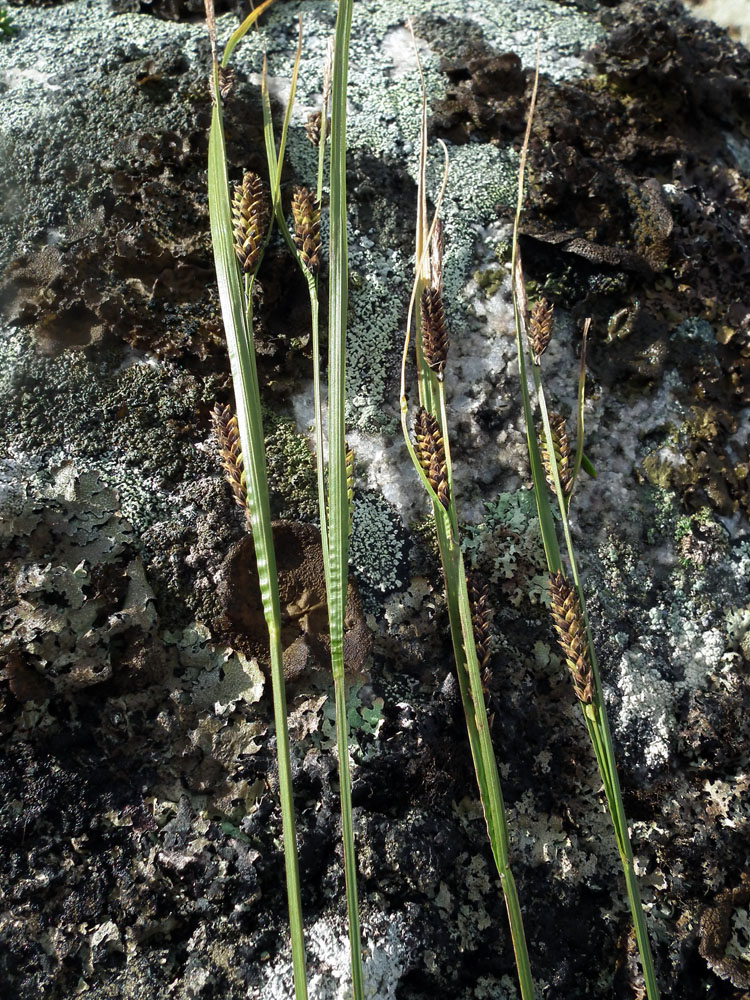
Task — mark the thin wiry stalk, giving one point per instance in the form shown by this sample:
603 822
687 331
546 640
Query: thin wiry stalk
236 308
578 645
434 467
337 564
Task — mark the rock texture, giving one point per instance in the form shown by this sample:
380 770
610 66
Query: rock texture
139 827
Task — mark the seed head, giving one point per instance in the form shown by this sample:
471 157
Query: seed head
230 451
313 125
540 327
570 626
434 332
306 216
250 213
562 454
226 82
480 621
431 453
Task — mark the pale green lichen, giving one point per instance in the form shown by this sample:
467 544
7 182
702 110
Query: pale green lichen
377 550
507 547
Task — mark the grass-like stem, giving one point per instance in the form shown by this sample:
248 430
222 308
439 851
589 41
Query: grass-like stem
431 394
236 307
594 713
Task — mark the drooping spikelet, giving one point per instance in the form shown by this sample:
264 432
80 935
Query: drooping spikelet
540 327
431 454
434 331
567 618
306 216
230 451
250 213
562 454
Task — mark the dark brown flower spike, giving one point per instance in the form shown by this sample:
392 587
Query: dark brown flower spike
431 454
567 618
434 331
306 217
562 454
313 126
226 82
250 213
540 328
480 621
230 451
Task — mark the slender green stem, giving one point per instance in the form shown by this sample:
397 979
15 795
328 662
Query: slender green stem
338 505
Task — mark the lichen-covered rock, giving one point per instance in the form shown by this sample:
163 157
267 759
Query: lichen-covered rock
139 826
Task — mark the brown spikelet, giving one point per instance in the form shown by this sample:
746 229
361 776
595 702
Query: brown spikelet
230 451
434 332
569 624
480 621
540 327
431 453
562 454
250 212
313 125
306 216
226 82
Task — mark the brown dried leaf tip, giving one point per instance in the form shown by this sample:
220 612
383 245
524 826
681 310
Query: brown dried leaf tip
540 327
431 454
567 618
480 621
562 454
306 216
250 212
230 451
434 331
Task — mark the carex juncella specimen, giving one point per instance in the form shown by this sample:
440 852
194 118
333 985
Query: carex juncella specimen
561 447
230 451
431 454
540 328
250 214
306 217
569 623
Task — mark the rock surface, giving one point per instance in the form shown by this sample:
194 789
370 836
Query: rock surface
139 828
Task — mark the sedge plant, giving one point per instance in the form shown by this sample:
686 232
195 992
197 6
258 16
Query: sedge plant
335 481
466 598
554 469
239 233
